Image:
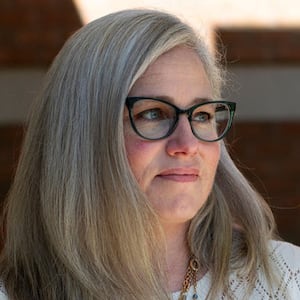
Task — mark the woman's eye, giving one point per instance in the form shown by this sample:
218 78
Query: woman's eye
202 117
151 115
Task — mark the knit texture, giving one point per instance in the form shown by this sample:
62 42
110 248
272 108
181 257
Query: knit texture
285 258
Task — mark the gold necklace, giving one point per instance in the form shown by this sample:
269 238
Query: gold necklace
190 279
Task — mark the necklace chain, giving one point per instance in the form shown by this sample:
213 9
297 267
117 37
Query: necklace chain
190 279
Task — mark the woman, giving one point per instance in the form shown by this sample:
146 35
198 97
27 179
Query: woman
125 189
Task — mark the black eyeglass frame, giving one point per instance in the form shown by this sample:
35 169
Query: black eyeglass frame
130 101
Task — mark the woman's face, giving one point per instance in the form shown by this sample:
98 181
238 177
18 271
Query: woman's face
176 173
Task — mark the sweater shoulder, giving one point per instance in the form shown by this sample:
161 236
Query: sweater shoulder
285 255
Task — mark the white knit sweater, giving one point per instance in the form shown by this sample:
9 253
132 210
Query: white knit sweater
286 260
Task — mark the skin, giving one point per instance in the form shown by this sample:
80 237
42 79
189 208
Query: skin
176 173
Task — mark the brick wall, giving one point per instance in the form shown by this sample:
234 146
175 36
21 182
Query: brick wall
32 31
10 145
268 151
246 45
31 34
268 154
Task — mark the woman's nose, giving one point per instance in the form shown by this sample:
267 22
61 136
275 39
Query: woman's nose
182 141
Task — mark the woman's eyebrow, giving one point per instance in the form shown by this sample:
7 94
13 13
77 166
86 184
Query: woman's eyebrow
201 100
197 100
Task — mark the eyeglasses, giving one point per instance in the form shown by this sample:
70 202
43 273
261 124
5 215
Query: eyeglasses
155 119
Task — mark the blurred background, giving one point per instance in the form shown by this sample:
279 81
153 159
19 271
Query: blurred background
260 41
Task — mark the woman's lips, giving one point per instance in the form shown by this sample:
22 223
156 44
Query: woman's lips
180 175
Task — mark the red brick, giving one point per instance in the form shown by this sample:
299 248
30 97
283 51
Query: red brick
30 27
260 45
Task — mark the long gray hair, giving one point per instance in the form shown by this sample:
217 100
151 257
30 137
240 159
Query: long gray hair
78 226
